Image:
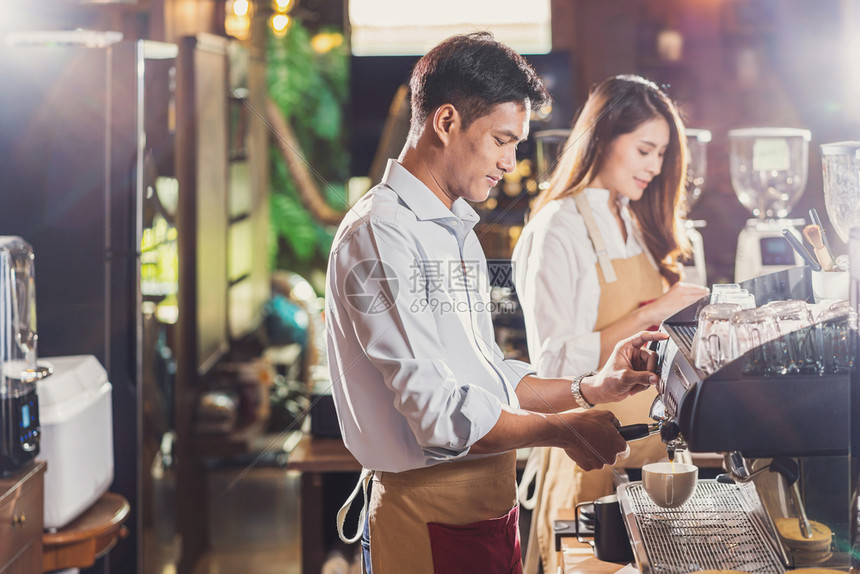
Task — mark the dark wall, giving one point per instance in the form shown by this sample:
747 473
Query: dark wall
374 81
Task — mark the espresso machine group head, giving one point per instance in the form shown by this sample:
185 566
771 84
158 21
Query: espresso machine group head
665 425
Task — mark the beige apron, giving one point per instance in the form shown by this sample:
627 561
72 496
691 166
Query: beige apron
458 493
560 483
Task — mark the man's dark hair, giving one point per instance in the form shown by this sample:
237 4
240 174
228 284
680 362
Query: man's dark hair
474 73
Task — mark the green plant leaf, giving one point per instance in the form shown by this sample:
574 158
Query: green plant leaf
311 90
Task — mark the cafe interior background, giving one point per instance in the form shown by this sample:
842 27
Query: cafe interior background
179 168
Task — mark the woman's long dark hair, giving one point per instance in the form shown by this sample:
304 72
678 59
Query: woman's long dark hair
615 107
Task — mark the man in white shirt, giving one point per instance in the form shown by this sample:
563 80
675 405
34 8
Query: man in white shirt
424 397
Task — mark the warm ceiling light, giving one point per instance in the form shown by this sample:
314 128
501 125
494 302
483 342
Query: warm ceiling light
240 7
238 20
283 5
395 27
325 42
280 23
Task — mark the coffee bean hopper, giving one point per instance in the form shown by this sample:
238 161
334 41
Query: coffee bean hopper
19 405
785 440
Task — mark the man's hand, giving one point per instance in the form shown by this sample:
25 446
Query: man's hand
592 438
629 370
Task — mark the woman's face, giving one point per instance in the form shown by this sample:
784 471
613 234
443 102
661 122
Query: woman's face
634 159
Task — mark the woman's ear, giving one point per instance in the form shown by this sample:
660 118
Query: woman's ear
446 119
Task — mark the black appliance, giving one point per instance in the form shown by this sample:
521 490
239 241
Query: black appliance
19 404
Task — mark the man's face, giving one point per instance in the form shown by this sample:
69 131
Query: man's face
477 158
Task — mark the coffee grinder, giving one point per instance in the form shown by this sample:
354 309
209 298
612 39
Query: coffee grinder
769 168
19 405
697 167
840 165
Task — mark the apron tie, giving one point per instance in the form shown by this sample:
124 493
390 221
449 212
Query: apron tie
532 474
362 483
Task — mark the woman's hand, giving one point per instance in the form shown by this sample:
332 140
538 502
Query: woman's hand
679 296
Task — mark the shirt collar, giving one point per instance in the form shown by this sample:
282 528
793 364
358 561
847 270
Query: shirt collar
423 202
600 194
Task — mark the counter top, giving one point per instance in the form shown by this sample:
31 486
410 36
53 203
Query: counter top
579 559
591 566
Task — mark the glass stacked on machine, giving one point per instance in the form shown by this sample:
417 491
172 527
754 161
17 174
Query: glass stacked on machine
778 338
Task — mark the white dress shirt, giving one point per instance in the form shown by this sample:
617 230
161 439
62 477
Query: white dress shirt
555 275
417 377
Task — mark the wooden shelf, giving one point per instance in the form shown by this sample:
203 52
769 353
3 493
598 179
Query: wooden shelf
88 537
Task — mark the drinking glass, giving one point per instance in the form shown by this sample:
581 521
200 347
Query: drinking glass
712 348
794 319
753 331
844 304
836 330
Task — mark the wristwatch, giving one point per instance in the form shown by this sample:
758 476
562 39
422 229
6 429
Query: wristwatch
577 394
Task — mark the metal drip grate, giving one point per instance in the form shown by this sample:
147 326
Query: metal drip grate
686 333
715 529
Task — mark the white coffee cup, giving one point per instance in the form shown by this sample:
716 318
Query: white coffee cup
667 485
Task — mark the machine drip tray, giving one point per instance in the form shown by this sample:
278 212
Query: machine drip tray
721 527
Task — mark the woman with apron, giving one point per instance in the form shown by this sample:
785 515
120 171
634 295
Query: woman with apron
596 263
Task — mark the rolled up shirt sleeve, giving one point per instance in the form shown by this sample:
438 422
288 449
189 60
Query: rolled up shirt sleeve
379 271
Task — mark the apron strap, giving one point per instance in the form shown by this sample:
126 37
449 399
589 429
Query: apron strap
362 483
531 474
596 238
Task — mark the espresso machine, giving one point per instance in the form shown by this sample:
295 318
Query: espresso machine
769 168
784 440
19 373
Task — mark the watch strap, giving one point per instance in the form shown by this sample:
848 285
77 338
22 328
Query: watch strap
577 393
